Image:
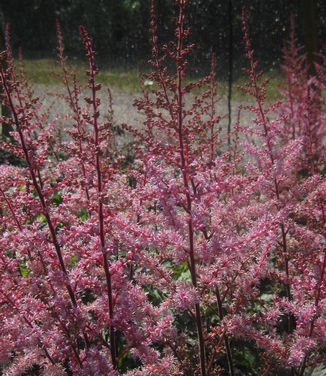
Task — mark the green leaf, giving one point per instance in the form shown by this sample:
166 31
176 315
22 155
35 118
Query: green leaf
73 261
42 218
10 254
267 297
59 225
83 214
319 371
182 272
24 271
57 198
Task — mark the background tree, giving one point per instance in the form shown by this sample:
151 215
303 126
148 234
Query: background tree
121 30
310 30
4 109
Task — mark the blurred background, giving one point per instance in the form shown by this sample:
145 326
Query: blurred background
120 29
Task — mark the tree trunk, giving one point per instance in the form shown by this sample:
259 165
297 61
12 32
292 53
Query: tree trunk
310 30
4 109
230 69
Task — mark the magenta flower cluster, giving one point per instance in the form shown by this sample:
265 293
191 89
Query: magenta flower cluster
169 263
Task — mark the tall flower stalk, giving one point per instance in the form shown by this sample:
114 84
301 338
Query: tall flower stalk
198 256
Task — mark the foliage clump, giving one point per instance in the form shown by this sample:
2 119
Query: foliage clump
192 258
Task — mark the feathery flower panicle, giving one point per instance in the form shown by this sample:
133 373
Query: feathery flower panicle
182 260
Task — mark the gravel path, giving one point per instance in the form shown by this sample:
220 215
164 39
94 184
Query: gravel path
124 111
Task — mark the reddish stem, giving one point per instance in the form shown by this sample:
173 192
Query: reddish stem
73 101
92 85
226 339
184 171
317 297
259 95
45 209
12 210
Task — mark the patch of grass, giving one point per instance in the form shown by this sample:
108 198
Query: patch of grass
122 79
47 72
275 80
41 71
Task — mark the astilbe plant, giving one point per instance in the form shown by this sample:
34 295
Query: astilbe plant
202 206
287 158
69 302
307 227
189 260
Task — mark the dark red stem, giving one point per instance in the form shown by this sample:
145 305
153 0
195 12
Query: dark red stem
184 171
92 85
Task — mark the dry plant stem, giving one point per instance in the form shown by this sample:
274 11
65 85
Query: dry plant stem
226 340
100 204
184 171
